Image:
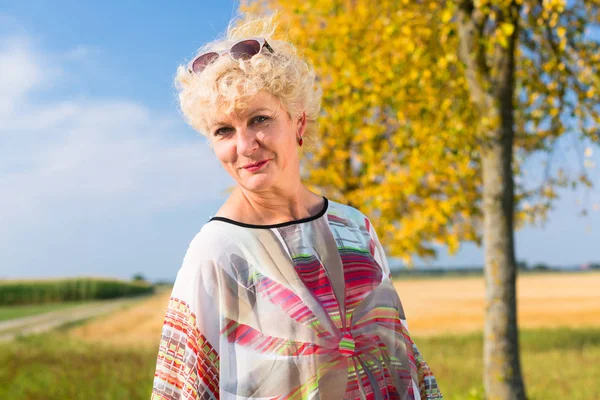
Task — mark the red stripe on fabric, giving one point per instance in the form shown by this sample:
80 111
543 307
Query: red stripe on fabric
249 337
180 318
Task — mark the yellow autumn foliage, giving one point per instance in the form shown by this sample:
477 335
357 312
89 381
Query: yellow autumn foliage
401 135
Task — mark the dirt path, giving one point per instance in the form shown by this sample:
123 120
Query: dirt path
138 326
54 319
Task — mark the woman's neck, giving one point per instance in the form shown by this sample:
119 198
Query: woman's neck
272 208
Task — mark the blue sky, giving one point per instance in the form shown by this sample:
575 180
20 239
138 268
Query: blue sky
100 176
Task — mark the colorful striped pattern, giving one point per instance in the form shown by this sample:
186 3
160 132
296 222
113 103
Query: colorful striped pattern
383 316
347 346
361 274
290 303
191 364
427 384
356 346
314 276
371 239
307 389
249 337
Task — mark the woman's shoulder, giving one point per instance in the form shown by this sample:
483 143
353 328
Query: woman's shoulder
209 252
218 241
348 213
211 241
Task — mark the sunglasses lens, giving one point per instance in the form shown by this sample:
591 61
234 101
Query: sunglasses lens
201 62
245 49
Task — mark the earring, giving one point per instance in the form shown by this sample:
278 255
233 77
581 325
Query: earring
300 141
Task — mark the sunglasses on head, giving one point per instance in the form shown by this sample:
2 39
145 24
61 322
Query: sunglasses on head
244 49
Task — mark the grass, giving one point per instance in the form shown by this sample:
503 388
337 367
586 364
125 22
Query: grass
113 356
52 366
12 312
557 364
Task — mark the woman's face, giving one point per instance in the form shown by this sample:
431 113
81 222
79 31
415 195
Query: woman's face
263 132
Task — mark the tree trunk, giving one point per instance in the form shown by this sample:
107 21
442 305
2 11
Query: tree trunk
502 368
491 82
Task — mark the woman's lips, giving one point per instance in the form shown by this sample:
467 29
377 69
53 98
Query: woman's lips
257 167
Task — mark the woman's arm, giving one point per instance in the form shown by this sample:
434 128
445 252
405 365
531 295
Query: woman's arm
187 365
428 387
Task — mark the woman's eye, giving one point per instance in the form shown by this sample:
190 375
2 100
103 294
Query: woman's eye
259 119
222 131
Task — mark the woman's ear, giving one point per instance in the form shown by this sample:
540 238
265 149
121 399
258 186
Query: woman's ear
301 123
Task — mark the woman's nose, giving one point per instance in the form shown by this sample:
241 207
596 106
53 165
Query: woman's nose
247 142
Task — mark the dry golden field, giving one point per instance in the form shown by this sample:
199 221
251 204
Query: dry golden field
432 306
456 305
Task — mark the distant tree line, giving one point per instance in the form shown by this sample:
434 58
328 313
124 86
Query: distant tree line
478 269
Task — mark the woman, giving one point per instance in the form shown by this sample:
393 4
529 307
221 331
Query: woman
284 293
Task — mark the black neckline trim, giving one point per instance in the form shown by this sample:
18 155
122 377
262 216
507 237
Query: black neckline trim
279 225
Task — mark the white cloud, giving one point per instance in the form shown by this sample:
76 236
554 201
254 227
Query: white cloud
111 156
19 74
79 53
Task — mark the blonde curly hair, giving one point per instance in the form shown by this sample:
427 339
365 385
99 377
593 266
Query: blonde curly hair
227 82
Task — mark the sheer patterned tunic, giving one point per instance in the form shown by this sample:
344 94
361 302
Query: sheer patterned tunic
298 310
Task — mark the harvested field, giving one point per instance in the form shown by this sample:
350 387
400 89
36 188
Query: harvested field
456 305
433 306
137 326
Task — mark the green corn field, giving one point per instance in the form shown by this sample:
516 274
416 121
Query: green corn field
77 289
